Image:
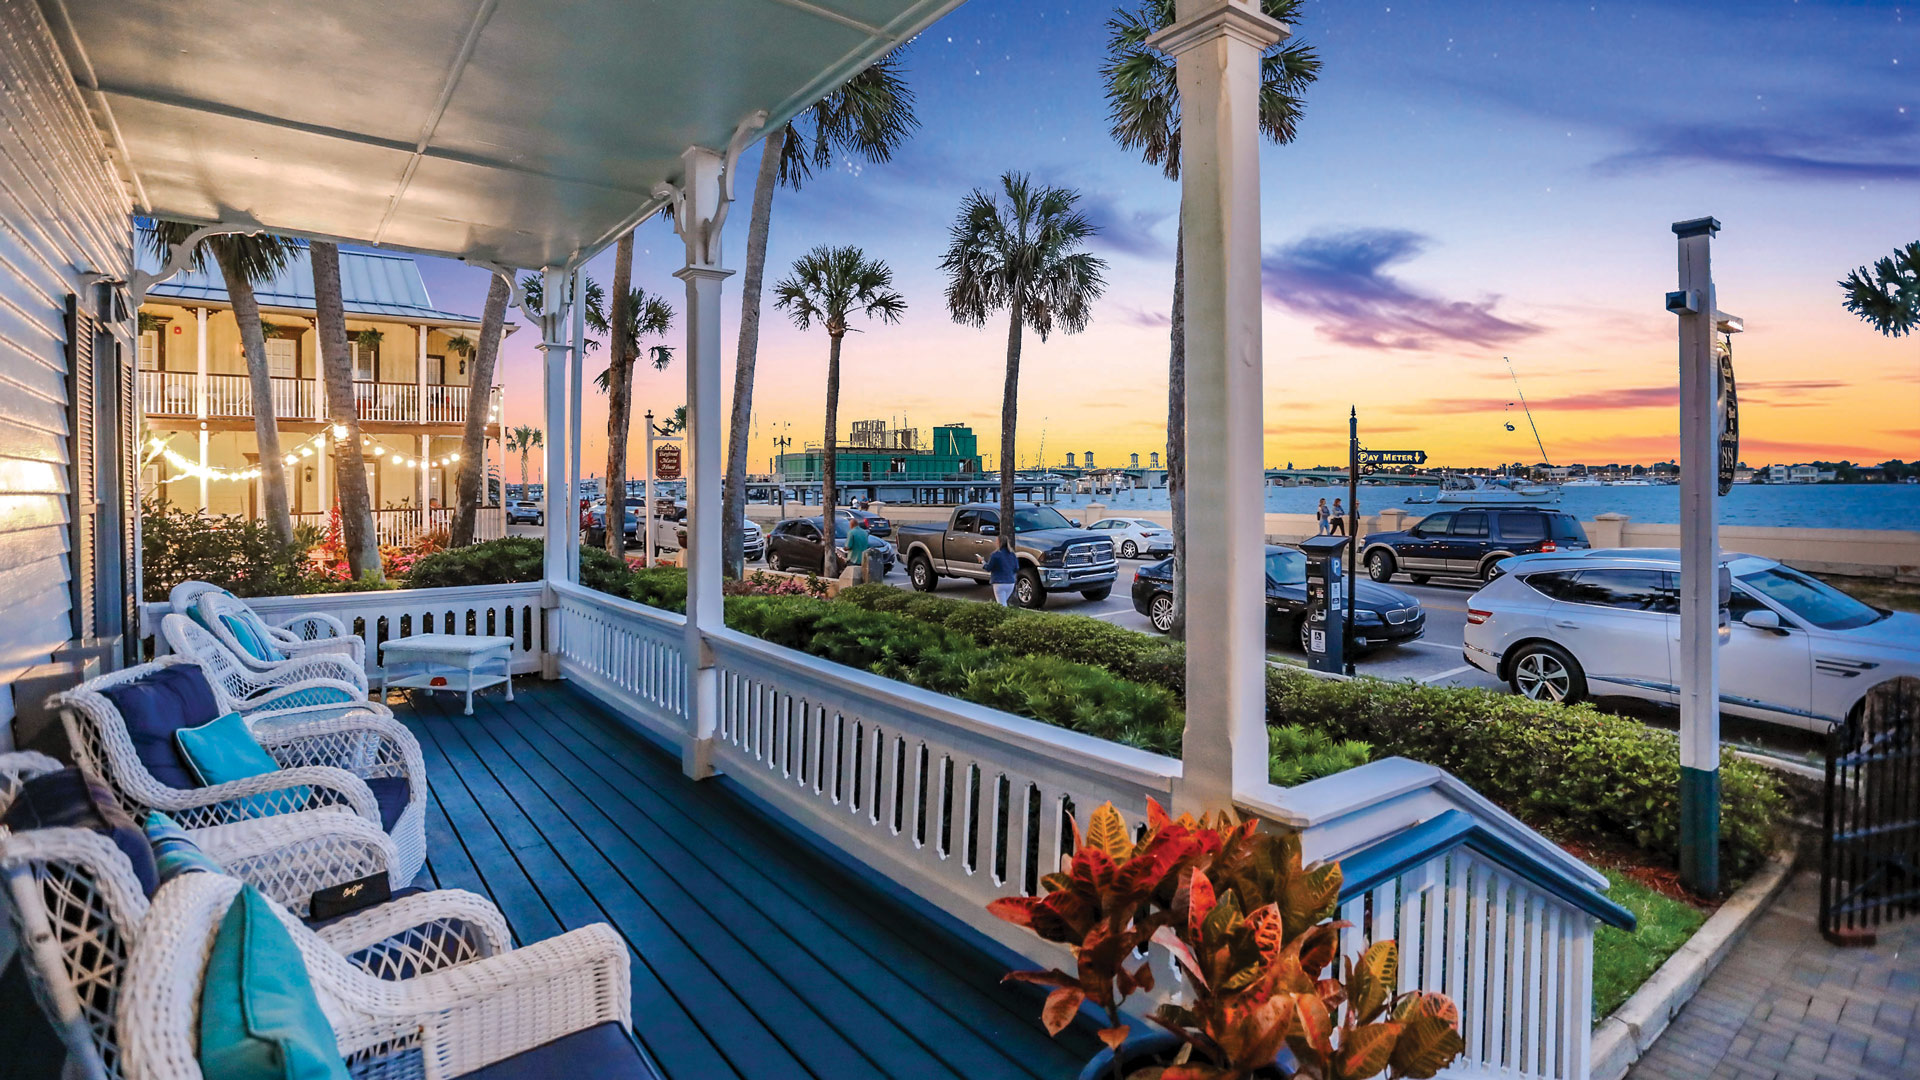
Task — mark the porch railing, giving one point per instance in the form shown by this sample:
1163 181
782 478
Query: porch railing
384 401
230 396
401 527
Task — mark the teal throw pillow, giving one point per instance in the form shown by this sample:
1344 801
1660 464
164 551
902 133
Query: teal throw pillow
174 852
259 1016
250 634
223 750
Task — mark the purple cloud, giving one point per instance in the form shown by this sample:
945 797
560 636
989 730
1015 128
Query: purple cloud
1337 280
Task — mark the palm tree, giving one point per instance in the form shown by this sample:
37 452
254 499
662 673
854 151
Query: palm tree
244 260
1143 113
523 440
827 285
1888 296
870 115
350 472
1020 249
473 437
648 315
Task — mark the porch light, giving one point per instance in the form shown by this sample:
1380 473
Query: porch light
291 458
339 431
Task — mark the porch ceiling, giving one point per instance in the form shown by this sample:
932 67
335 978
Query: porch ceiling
524 132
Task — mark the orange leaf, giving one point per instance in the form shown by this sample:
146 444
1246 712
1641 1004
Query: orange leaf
1017 910
1061 1006
1365 1051
1316 1024
1200 902
1267 931
1156 817
1114 1036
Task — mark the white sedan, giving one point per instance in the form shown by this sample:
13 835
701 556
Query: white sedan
1135 538
1563 626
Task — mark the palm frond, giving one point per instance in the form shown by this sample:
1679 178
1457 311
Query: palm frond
870 116
1024 244
1887 295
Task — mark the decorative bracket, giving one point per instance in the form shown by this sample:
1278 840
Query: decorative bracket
516 289
702 232
179 257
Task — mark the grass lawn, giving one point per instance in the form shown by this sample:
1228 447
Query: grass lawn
1622 960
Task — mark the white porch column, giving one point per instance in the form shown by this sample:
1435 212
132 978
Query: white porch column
1217 45
572 502
200 391
420 379
423 482
322 465
554 351
700 209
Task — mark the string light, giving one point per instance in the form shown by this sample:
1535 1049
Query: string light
190 468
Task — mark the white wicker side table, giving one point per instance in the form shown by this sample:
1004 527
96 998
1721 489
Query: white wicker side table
458 661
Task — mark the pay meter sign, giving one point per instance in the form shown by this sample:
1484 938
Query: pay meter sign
1326 603
666 462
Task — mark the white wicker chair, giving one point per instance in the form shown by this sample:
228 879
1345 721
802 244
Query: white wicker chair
211 605
78 912
290 685
326 756
309 633
444 1024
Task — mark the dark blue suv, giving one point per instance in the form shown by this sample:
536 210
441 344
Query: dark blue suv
1469 541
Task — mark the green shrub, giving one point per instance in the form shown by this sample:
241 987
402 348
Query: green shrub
603 572
496 562
663 587
236 553
1296 755
867 596
1571 769
1165 666
979 619
1076 637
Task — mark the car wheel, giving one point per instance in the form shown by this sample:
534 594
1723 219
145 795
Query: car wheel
1160 613
1027 590
921 571
1129 549
1419 579
1303 636
1098 594
1546 672
1380 565
1490 569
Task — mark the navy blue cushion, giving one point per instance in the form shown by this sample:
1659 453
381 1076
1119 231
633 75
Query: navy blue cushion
157 705
391 793
69 799
605 1052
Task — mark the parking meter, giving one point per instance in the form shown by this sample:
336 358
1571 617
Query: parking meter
1326 603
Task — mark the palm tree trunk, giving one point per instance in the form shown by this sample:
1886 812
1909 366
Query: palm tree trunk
473 438
524 452
350 471
829 520
620 402
266 427
1009 410
1177 433
733 510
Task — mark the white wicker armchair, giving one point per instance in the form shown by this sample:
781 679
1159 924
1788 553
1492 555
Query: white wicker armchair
307 634
306 685
325 762
78 911
444 1024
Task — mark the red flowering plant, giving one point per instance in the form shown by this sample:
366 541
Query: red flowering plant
1250 928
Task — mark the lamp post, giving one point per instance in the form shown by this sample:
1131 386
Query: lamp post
780 444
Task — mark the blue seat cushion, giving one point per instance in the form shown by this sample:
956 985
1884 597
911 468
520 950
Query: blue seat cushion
157 705
605 1052
69 799
392 793
259 1018
174 852
223 750
252 636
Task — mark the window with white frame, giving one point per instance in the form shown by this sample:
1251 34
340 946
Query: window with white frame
149 350
283 358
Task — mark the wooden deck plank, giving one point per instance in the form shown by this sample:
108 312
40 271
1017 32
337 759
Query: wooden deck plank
883 1013
961 1011
702 983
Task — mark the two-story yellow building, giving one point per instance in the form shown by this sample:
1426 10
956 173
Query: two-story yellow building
412 390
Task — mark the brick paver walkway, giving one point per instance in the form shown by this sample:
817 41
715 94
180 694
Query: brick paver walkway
1785 1004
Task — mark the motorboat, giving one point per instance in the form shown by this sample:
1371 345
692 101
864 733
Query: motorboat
1584 482
1490 490
1630 483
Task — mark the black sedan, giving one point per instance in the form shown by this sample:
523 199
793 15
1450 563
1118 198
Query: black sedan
794 544
1382 615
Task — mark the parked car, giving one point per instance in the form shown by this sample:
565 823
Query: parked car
794 544
525 510
875 524
753 543
597 523
1382 614
1565 625
1055 554
1471 541
1135 537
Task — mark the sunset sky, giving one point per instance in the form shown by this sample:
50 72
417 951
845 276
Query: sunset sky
1471 181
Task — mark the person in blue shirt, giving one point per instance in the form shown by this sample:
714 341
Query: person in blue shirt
1002 568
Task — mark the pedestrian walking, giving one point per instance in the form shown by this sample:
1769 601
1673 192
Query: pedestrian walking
857 543
1339 519
1002 568
1322 515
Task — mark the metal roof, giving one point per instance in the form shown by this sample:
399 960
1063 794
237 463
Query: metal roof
523 132
371 283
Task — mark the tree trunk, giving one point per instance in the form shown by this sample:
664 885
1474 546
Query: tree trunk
733 510
1177 433
829 519
473 438
350 472
524 453
1009 410
620 402
266 427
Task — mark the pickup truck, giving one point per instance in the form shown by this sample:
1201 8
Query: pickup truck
1055 554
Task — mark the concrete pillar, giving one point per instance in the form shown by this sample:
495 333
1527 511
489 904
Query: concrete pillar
1217 45
554 351
572 500
1608 530
700 214
200 392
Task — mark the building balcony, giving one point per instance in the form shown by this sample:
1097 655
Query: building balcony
178 395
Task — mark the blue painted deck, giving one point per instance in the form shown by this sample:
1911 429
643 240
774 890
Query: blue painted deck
756 953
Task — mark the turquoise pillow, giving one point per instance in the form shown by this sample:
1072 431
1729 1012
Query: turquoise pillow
223 750
258 645
174 852
259 1017
262 634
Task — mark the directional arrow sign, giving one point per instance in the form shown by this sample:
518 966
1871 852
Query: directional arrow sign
1393 457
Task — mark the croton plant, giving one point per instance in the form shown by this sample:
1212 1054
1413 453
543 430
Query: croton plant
1251 930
